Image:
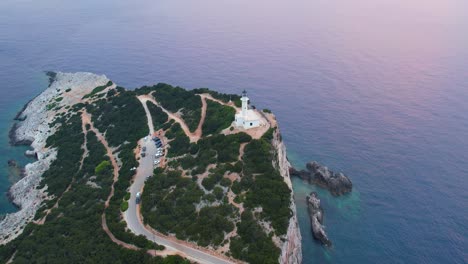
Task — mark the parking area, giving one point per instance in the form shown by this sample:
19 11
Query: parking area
159 155
153 148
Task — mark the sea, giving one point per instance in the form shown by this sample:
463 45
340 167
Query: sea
376 89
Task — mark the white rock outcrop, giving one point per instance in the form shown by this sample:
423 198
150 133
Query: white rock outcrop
291 248
67 89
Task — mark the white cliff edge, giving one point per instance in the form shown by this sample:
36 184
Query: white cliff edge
291 248
34 127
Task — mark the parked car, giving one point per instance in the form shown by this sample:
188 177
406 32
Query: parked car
138 198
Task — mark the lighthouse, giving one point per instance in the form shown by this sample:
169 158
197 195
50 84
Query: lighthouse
246 118
245 103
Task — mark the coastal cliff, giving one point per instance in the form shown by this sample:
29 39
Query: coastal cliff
33 128
291 248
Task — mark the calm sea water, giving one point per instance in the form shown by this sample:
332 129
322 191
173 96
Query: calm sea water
377 89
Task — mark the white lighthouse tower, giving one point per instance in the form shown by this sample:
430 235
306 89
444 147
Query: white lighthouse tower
247 118
245 103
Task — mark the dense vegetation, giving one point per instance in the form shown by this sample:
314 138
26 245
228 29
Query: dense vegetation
123 120
175 99
158 115
176 204
121 117
220 96
218 117
73 232
267 189
253 245
180 143
189 198
175 197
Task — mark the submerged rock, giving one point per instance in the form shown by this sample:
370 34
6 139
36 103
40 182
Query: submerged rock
12 163
336 183
316 219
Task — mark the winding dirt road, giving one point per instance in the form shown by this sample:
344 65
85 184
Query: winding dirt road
132 215
86 119
195 136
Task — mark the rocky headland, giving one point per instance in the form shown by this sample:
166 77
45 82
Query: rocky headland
32 128
316 219
337 183
35 123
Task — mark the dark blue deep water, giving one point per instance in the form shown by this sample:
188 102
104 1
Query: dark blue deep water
377 89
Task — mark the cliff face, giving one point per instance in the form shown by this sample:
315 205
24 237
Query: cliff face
291 248
33 128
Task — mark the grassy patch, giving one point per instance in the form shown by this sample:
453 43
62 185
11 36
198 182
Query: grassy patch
98 90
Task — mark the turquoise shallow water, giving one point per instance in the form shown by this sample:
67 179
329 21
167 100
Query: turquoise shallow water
376 89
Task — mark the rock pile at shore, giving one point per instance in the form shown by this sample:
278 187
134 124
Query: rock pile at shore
33 129
336 183
316 219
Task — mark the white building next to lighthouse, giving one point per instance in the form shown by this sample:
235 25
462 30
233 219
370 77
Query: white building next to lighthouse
247 118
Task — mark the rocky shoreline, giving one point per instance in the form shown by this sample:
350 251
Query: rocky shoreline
291 248
33 129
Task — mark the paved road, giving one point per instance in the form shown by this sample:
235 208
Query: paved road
132 215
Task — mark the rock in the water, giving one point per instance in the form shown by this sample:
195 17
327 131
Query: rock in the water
336 183
12 163
316 219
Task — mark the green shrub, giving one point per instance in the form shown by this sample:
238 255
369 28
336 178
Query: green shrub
218 192
124 206
102 167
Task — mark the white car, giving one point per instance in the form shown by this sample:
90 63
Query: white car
156 162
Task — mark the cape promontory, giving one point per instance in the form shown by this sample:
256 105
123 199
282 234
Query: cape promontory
159 174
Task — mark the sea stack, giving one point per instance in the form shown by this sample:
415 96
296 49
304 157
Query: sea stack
337 183
316 219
